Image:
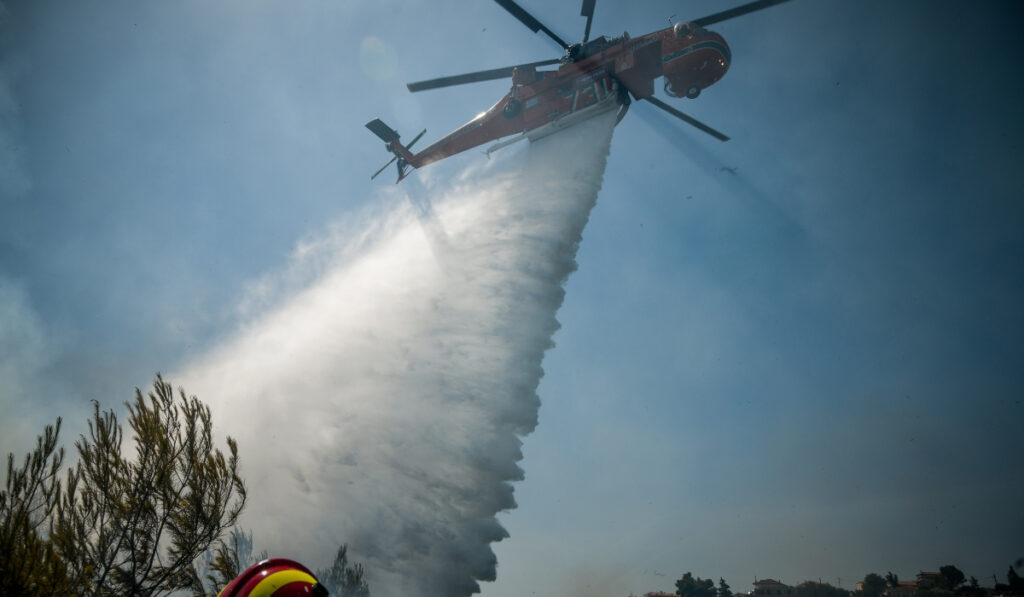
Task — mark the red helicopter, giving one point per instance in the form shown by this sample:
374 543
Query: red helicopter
593 77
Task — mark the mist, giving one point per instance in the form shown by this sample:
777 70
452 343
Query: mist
382 402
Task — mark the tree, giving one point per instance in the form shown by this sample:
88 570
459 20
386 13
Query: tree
971 589
874 585
891 579
952 577
342 579
1013 580
29 565
723 588
689 586
819 589
220 565
121 526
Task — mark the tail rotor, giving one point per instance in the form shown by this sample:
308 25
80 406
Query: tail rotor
391 142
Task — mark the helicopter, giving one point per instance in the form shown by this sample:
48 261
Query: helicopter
594 76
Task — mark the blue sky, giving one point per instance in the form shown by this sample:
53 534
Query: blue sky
809 367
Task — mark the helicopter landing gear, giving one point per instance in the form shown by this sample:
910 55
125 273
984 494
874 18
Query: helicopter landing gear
691 92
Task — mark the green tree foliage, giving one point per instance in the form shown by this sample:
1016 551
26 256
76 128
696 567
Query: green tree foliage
29 565
873 586
118 525
891 579
221 564
723 588
343 579
952 577
1014 581
971 589
690 586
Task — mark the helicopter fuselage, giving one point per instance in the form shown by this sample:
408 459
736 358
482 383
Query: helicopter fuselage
593 78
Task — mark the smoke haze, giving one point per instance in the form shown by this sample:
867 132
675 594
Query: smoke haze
382 404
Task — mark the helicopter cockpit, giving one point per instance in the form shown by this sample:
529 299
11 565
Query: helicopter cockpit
687 30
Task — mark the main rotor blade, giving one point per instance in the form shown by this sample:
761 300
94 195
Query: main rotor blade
587 10
718 17
484 75
528 20
685 118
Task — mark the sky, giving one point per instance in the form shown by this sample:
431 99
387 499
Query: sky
794 355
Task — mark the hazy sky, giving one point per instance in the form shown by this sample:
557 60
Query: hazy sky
805 368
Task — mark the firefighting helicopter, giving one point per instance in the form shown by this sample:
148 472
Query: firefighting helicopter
594 76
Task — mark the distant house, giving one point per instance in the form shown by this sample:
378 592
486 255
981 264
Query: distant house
908 588
928 580
904 588
771 588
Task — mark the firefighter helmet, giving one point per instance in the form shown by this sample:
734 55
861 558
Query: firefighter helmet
276 577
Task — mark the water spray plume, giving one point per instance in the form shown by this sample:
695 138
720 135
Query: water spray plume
383 404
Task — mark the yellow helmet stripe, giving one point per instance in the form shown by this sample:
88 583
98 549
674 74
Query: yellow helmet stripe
275 581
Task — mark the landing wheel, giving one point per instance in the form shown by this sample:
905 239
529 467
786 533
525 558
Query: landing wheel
624 102
512 108
692 92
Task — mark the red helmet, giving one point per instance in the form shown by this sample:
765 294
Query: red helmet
276 577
